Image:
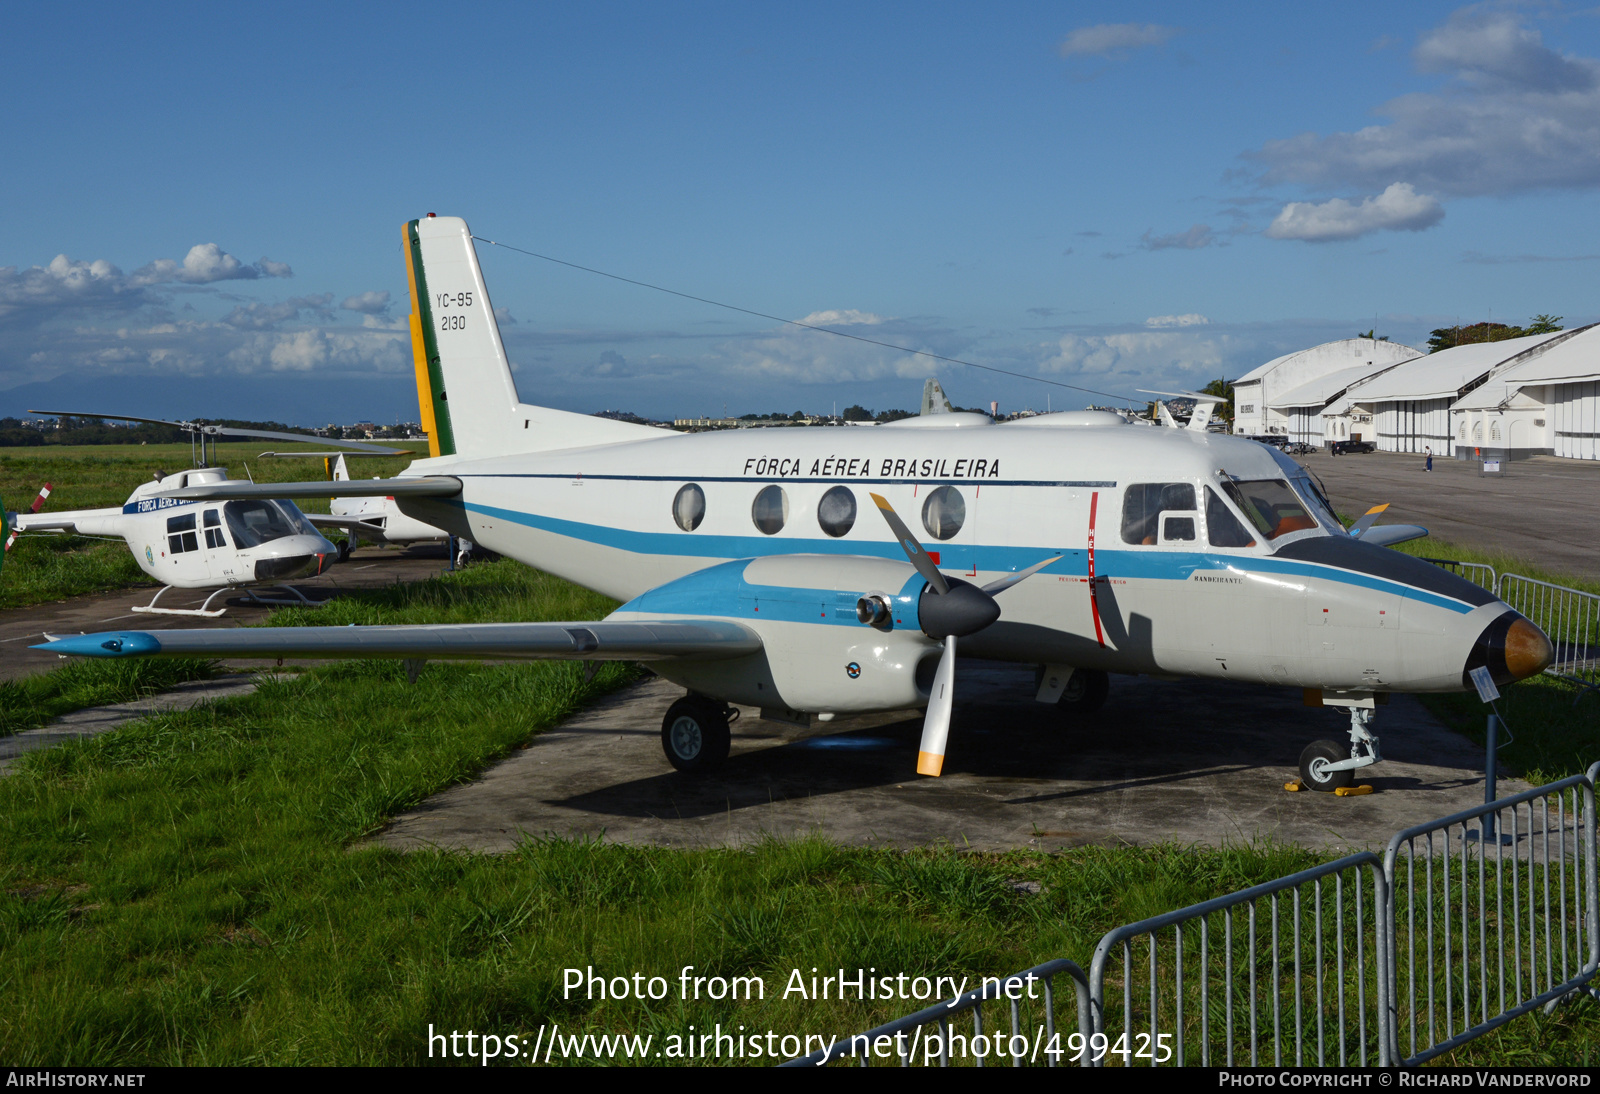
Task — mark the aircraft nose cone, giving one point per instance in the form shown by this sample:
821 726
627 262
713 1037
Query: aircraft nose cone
1511 648
1528 649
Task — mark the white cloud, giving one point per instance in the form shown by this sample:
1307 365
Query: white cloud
33 296
1398 208
1197 236
206 263
268 316
1108 360
836 317
367 303
1113 39
1519 116
1192 319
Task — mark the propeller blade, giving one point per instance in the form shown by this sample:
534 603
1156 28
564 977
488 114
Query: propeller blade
936 723
1367 520
1009 580
913 549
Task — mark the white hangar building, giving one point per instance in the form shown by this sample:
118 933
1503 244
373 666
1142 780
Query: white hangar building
1287 396
1431 402
1543 401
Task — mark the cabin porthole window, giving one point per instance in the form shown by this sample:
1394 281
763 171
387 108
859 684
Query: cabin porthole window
836 512
944 512
689 507
770 512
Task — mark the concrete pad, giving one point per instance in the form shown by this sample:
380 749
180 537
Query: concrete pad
93 721
1190 762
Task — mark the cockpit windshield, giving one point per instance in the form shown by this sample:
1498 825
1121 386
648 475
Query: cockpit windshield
256 522
1271 505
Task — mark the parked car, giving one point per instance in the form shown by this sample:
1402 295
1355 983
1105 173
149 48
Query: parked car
1301 448
1345 448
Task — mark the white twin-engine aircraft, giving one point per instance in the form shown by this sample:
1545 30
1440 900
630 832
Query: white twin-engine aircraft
753 569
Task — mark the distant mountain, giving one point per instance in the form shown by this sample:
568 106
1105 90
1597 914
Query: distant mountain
298 399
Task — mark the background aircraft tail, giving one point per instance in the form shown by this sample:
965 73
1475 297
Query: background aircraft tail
468 399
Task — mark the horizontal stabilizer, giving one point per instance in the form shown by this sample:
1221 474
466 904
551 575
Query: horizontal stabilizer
428 486
707 639
1387 535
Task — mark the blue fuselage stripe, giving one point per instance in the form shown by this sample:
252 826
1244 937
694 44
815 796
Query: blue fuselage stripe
1155 564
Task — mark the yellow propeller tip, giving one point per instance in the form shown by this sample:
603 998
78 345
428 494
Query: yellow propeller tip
929 763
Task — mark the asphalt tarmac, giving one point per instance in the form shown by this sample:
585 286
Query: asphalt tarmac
1542 509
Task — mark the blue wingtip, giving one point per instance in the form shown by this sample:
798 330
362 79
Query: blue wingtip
104 644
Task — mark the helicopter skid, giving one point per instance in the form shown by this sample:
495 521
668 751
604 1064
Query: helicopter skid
151 608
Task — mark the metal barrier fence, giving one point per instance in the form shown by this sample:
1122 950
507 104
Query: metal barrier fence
1493 914
1479 573
1465 924
1571 619
1296 962
1034 1036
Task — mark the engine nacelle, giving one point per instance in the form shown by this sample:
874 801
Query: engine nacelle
819 656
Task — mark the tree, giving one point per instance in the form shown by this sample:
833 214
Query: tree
1224 390
1374 335
1449 337
857 413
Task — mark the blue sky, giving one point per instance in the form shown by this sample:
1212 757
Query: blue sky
206 202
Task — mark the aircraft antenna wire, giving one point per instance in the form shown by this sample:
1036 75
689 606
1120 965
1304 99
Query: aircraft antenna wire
807 326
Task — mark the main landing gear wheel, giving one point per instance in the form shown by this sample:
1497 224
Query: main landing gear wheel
1313 767
1085 692
694 734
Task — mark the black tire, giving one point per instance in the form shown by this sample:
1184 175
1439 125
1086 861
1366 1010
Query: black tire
694 734
1325 781
1085 692
346 545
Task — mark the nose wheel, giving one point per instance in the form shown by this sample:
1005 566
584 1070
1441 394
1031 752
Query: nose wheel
1328 765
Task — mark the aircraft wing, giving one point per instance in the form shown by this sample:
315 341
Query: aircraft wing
1387 535
425 486
330 520
694 639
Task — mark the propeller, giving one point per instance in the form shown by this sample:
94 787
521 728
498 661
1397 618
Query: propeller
948 609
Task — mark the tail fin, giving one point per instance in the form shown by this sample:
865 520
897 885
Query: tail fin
341 470
934 400
468 400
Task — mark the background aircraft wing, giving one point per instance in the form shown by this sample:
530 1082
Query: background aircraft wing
425 486
696 639
329 520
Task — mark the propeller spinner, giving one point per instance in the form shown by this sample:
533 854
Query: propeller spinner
948 609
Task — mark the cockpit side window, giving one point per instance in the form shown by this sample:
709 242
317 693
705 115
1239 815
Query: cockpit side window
1144 502
1222 527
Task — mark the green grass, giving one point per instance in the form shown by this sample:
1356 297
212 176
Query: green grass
35 700
193 889
43 568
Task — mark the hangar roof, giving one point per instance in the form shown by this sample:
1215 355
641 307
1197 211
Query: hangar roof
1442 375
1292 370
1317 392
1573 358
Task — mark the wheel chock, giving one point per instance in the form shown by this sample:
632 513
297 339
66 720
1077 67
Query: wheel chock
1293 785
1352 791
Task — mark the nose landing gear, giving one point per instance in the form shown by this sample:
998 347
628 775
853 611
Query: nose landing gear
1324 765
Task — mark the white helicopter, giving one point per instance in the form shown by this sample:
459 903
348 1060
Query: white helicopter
753 571
185 544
